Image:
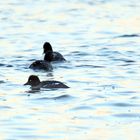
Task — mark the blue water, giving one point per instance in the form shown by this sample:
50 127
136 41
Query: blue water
100 40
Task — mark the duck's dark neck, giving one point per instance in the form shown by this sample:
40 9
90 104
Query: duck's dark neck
48 56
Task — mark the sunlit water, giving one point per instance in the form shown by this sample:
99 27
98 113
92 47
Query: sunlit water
100 40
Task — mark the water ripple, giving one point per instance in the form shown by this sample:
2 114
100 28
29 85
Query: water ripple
129 35
127 115
5 107
90 66
81 108
124 60
124 105
61 97
6 65
1 81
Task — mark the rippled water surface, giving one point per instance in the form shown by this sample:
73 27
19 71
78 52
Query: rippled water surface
100 40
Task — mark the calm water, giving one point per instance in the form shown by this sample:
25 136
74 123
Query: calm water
101 41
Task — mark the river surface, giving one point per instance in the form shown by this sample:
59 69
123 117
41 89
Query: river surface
100 40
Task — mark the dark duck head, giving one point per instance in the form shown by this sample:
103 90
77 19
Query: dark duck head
47 47
33 80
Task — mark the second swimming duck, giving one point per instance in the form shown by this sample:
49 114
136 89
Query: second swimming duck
56 55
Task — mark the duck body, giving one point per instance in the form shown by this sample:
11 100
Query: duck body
41 65
53 84
35 83
58 57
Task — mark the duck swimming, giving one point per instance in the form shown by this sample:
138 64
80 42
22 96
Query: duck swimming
43 64
56 55
35 83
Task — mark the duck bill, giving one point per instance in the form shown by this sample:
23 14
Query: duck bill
26 83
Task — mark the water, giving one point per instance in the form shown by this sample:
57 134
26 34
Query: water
101 42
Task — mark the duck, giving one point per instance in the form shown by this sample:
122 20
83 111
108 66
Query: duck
57 57
35 83
43 64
